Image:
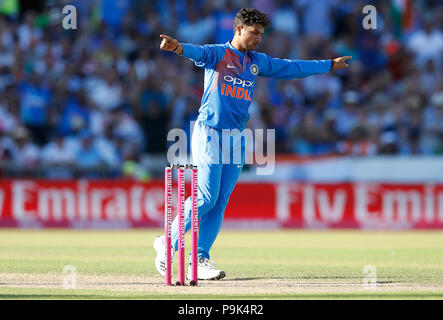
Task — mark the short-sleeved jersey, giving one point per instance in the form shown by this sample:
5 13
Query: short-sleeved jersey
230 77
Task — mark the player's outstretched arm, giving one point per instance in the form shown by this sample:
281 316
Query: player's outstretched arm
205 56
291 69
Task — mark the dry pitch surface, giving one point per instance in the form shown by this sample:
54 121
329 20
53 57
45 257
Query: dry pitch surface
259 265
237 287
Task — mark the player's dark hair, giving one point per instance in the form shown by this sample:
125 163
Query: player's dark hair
248 17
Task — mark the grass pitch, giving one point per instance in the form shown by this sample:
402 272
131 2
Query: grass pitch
290 264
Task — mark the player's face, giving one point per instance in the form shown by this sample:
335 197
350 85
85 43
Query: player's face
251 36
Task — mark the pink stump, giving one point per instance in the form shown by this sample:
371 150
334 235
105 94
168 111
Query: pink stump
181 225
168 222
194 223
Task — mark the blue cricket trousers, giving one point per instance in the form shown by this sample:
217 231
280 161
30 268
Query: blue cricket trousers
219 157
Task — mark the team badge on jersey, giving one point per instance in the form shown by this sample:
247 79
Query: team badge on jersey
254 69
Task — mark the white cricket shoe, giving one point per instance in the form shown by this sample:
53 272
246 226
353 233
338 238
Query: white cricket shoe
206 270
160 259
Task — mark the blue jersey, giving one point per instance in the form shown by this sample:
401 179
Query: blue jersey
230 77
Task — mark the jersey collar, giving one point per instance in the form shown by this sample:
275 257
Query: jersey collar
237 52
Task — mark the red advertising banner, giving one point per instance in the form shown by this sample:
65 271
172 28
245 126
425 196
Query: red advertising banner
130 204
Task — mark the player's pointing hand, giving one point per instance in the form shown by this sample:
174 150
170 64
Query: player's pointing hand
340 62
169 44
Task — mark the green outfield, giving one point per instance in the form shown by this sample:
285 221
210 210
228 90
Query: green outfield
290 264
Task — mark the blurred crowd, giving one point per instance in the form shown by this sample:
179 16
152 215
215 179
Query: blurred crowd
104 96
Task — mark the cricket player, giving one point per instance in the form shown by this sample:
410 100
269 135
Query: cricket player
231 70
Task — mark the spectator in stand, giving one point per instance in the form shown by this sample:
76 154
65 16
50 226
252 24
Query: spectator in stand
88 158
58 158
284 18
113 11
224 20
107 144
26 154
196 28
8 120
389 143
74 114
427 43
347 117
317 17
35 99
7 148
127 128
106 92
357 144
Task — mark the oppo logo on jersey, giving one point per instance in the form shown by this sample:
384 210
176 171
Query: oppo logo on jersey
235 81
234 91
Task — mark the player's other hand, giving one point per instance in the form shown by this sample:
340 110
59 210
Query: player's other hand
340 62
168 43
